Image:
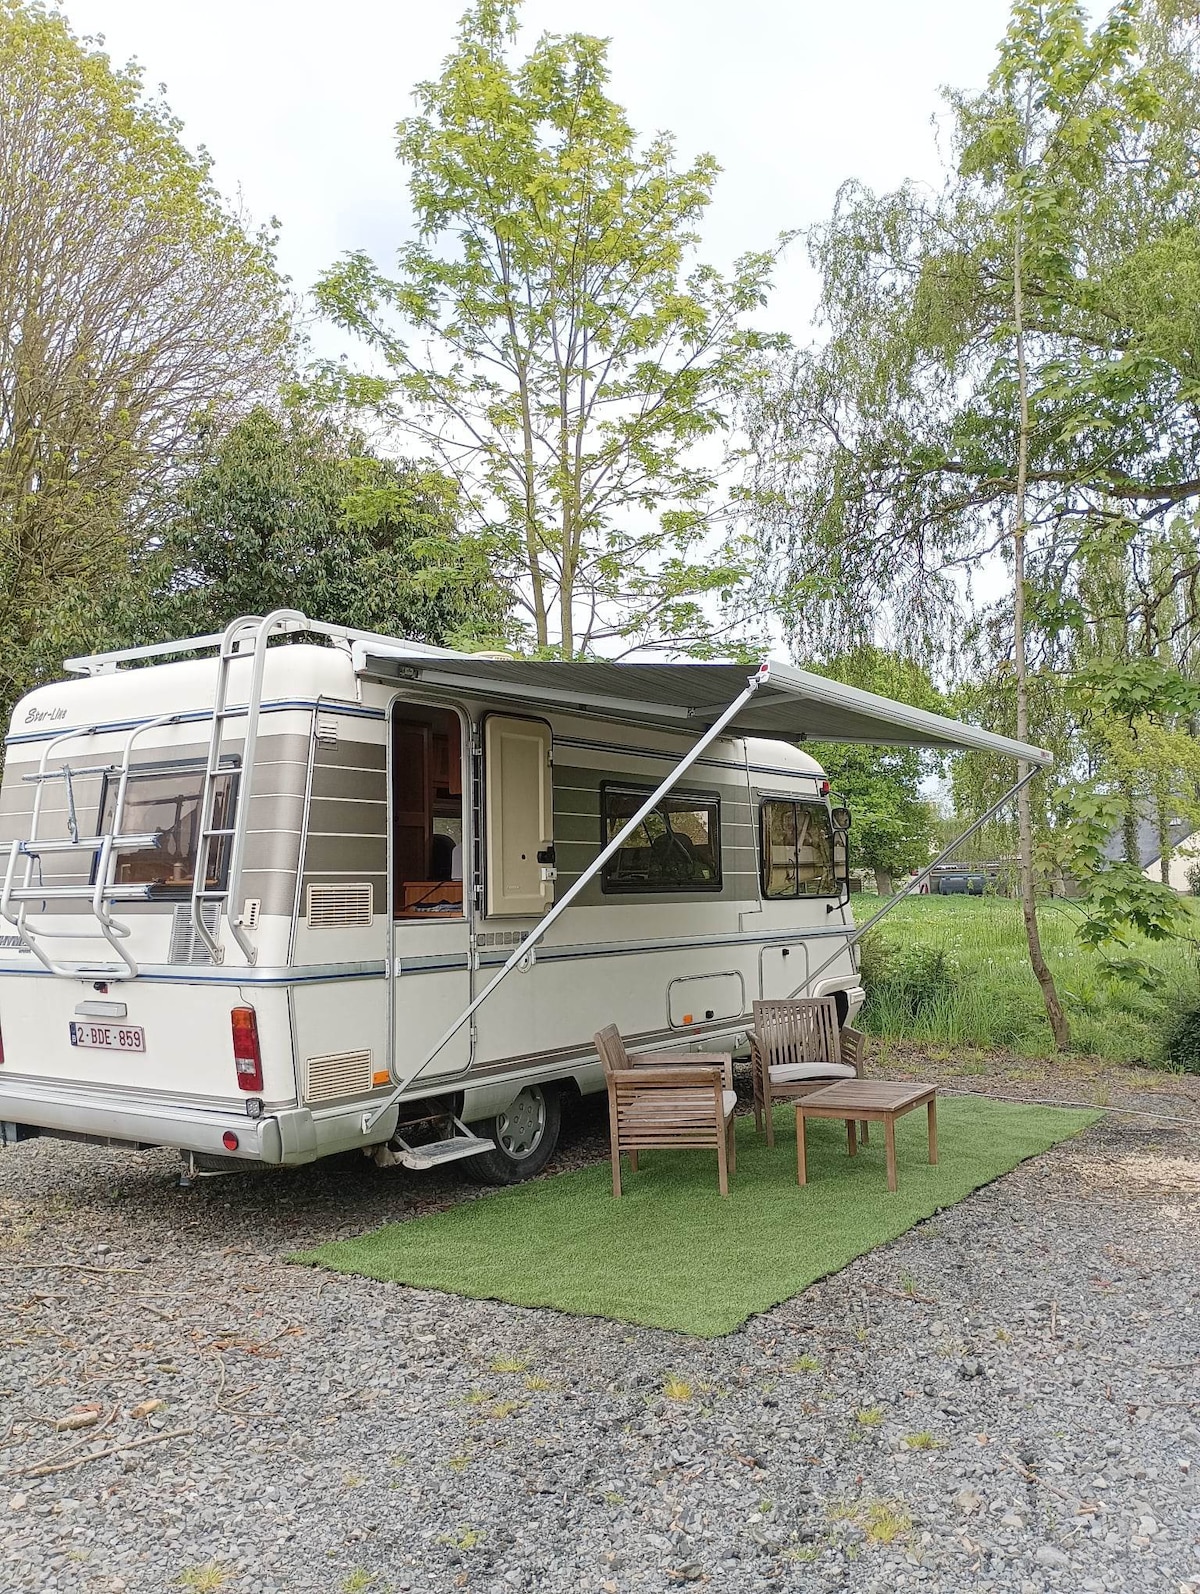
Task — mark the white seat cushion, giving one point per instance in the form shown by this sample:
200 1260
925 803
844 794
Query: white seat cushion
728 1101
792 1073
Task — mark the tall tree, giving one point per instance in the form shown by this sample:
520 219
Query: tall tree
132 300
549 344
289 510
1002 381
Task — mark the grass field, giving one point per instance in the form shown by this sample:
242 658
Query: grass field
989 997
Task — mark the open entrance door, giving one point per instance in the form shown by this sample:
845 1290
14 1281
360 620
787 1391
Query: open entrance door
431 979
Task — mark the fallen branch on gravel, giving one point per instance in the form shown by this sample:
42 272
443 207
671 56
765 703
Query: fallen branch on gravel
65 1267
903 1295
1030 1476
88 1438
45 1468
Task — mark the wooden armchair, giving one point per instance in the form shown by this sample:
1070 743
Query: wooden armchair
796 1047
666 1100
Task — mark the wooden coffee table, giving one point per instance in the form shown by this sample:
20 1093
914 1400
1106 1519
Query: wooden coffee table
866 1101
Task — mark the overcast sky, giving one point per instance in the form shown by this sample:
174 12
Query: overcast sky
297 102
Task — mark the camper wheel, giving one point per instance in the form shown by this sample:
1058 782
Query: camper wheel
526 1133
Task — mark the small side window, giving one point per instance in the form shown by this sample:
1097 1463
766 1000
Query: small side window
677 847
797 850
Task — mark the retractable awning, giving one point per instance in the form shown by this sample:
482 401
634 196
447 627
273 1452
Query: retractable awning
792 704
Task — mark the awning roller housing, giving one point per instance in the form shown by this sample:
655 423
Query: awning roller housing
791 704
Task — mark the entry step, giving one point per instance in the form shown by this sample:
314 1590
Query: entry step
441 1151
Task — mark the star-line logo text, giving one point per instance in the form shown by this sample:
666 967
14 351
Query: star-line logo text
36 716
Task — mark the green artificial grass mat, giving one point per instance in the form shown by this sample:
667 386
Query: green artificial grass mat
672 1253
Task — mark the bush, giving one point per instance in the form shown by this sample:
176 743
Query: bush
910 981
1192 876
1182 1045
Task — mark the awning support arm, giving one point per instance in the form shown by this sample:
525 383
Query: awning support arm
860 930
593 869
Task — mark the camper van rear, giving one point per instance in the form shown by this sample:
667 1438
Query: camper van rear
252 899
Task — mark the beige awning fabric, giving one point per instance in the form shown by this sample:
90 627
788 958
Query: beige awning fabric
791 704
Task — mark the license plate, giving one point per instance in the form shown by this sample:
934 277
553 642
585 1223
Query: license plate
109 1037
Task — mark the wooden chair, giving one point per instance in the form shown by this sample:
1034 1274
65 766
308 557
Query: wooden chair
666 1100
796 1047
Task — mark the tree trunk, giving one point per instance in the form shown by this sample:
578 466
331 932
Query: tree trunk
1165 850
883 882
1129 829
1054 1009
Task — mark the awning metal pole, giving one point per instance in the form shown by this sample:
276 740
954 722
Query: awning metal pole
758 679
856 932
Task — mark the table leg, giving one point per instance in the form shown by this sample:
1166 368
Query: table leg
932 1116
851 1137
801 1152
889 1129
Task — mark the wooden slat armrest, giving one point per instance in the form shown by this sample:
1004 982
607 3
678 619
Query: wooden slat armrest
854 1048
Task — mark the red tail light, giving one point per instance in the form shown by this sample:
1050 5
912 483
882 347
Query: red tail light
247 1058
1 1051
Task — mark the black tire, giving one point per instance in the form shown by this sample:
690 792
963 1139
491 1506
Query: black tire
525 1137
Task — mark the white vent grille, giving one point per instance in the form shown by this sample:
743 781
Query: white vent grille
337 1074
327 731
186 945
339 907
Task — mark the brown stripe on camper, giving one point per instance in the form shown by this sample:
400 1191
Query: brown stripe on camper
274 819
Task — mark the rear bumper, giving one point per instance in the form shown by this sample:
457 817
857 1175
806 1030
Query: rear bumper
286 1137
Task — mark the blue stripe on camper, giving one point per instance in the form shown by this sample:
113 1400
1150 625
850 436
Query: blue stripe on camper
194 716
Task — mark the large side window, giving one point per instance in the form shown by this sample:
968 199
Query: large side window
677 847
797 850
165 803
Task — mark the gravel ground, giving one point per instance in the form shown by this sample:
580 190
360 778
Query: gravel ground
1006 1398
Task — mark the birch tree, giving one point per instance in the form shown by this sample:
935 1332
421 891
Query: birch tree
1001 386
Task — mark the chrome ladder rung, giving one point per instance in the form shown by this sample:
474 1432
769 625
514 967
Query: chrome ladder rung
41 777
34 849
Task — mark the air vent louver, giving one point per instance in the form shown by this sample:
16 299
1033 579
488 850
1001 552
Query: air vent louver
337 1074
186 945
339 907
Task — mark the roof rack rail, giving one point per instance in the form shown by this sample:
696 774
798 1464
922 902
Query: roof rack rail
346 636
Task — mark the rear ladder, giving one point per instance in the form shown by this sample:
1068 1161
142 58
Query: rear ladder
244 640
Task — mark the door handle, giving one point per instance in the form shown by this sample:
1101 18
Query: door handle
547 855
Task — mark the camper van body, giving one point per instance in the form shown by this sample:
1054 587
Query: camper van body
392 845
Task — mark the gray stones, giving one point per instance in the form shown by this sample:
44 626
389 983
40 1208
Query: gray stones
352 1434
1051 1555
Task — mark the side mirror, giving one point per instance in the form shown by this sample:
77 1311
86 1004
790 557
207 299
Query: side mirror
840 818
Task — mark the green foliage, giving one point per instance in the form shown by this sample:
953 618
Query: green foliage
1001 386
133 301
1192 875
996 1002
549 344
1182 1046
289 510
911 981
1118 902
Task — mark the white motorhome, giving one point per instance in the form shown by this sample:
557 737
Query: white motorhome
295 889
